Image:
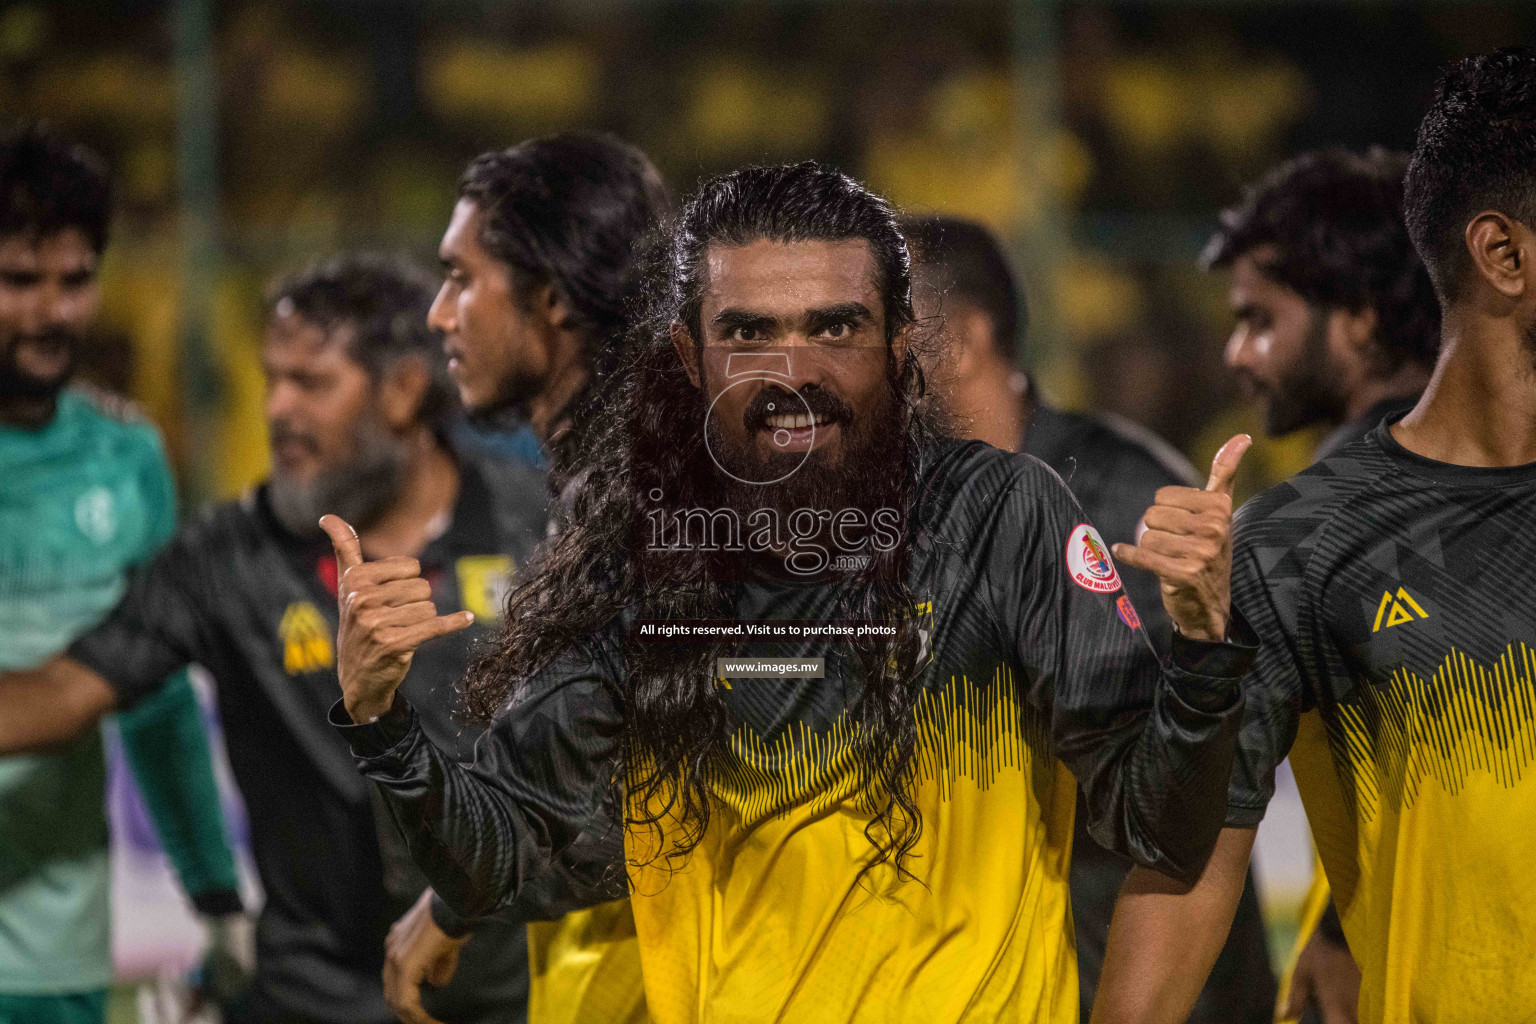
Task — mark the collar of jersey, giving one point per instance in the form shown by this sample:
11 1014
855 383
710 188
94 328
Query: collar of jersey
1449 472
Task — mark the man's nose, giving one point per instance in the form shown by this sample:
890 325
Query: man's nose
805 363
1239 353
39 310
281 401
440 317
64 307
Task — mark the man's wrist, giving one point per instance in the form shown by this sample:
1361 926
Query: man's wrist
374 739
449 921
1230 656
1211 632
366 712
1330 928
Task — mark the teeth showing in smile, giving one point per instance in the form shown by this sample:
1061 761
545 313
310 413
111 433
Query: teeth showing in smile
793 422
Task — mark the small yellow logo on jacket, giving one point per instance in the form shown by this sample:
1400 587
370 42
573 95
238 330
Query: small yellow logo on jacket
307 645
484 581
1396 609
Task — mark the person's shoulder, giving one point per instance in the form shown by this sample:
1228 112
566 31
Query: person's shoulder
1106 445
519 493
971 482
506 475
1291 522
226 525
1318 491
1133 445
113 420
955 464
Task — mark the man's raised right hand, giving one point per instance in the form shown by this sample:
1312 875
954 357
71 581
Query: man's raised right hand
386 613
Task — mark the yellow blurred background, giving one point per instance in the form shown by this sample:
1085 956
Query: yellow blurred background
1099 139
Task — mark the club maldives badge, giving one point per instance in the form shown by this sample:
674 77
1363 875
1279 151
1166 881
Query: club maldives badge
1088 561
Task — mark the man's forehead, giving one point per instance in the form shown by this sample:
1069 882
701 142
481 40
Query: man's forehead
789 276
1249 281
461 237
290 335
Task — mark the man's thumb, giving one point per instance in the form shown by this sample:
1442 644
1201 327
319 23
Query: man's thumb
349 550
1224 465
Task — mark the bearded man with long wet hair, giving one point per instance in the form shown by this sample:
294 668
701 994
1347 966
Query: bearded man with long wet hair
879 829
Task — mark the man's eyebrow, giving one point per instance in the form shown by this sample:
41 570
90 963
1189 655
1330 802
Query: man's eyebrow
731 318
854 313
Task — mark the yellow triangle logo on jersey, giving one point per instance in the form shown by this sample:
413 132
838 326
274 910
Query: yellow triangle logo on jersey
1397 609
306 639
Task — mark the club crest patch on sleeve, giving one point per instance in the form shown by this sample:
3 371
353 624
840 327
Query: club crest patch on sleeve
1088 561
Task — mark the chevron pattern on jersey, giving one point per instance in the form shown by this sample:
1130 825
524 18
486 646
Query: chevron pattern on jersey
964 729
1466 717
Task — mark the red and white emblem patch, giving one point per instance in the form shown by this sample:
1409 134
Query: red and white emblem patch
1088 561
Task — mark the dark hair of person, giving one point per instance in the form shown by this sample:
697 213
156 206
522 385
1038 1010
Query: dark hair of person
574 211
1476 151
599 573
1334 222
967 262
382 302
48 185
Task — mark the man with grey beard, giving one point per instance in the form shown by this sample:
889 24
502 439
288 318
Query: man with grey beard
357 390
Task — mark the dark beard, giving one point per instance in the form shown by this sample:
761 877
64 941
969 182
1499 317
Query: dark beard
360 490
1310 390
513 401
647 461
866 475
16 385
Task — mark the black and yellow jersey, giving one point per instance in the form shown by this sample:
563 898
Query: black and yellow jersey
1398 671
255 605
585 968
1032 672
1114 469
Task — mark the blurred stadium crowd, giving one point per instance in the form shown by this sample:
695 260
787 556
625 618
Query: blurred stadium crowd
1097 139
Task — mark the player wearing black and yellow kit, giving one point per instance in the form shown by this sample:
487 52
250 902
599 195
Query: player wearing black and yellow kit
961 280
1401 684
356 390
1337 325
539 262
793 806
1398 662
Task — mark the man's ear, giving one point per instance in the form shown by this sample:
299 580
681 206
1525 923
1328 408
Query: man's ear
901 344
553 306
402 391
1358 329
1501 251
687 350
974 336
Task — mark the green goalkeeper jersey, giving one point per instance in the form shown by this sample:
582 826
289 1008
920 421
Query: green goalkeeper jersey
83 499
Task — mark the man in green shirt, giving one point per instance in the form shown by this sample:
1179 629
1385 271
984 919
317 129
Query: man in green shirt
85 493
